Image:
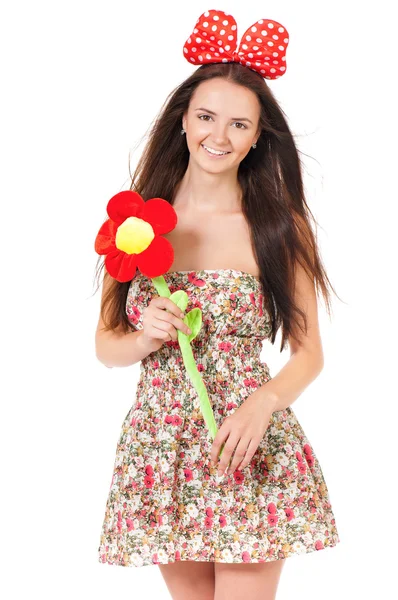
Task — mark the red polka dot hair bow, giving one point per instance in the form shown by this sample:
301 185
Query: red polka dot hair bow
262 47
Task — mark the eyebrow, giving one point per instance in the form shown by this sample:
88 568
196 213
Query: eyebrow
215 114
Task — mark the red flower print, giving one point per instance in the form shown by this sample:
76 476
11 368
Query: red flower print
135 315
307 450
200 368
209 511
299 456
223 521
177 420
238 476
169 419
132 236
188 474
273 519
156 381
149 470
248 368
310 460
246 557
148 480
302 467
130 524
155 559
318 545
208 523
271 508
177 555
225 346
289 514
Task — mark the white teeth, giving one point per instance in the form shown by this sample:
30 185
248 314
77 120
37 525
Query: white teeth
213 151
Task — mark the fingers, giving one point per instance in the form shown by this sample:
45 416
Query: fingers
162 318
242 455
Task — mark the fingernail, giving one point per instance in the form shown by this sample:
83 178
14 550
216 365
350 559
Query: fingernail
182 315
189 332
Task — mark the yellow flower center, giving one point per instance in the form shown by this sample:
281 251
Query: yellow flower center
134 235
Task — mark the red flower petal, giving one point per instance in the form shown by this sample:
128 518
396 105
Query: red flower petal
160 214
157 258
121 266
105 240
125 204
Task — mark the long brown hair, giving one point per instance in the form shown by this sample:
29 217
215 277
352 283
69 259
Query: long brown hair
273 200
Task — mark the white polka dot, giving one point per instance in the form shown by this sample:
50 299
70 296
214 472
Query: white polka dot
189 40
225 22
193 49
244 46
280 29
203 47
281 48
255 47
200 57
259 53
225 60
275 54
275 37
221 50
227 48
208 56
273 70
249 37
212 37
192 59
233 27
205 24
270 43
219 42
248 64
231 37
286 40
258 63
240 53
259 40
263 32
275 62
270 25
216 18
204 34
195 31
186 51
260 21
216 54
262 71
283 57
214 27
282 68
222 31
198 40
254 29
206 13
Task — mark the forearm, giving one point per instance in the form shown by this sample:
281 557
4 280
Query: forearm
120 349
290 382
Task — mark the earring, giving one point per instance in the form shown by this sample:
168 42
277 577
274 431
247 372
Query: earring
182 131
254 145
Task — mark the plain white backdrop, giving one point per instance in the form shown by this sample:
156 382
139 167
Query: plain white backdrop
81 84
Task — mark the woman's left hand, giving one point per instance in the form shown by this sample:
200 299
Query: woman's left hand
244 429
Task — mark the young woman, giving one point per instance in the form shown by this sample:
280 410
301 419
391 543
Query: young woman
222 154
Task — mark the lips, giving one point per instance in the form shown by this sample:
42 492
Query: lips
214 155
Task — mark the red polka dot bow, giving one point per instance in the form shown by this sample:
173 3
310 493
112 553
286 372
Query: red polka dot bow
262 48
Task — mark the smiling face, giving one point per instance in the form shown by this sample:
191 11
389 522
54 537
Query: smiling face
222 117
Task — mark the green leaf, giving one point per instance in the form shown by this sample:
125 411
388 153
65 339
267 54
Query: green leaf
194 321
180 298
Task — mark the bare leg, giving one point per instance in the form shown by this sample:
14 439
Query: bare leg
257 581
187 579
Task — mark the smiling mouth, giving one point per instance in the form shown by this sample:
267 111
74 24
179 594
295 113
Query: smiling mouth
212 152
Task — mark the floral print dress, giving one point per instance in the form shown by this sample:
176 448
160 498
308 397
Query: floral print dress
166 503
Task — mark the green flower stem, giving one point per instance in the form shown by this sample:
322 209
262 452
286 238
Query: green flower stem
184 341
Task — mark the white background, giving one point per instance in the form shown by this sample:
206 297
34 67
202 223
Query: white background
81 84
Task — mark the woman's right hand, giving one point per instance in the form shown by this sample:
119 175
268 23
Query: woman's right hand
161 319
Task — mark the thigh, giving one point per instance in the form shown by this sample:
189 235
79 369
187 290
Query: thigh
257 581
189 579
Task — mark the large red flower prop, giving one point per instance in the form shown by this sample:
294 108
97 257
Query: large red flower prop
131 237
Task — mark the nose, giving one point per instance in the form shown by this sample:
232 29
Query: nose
220 134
